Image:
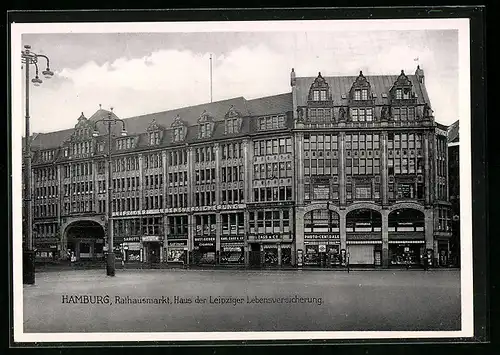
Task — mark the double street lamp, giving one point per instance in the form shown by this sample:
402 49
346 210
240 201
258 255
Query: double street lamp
110 121
29 58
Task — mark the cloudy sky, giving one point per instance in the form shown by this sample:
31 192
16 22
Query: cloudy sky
139 73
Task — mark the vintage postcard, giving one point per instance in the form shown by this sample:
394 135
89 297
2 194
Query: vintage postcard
281 180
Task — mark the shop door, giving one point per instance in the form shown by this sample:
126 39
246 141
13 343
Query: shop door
361 254
254 255
154 253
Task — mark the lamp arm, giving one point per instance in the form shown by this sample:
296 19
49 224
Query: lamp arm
46 58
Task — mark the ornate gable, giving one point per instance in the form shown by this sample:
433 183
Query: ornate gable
361 90
153 126
402 91
319 90
206 125
179 129
83 128
233 121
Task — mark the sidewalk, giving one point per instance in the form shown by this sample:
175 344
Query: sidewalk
167 266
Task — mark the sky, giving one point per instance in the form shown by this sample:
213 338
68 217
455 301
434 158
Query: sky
140 73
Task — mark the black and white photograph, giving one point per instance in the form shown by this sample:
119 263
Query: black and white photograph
183 181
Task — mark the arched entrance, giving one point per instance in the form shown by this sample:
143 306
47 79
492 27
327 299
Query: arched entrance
406 236
322 238
86 240
364 237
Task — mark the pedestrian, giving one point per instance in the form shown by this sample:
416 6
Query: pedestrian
73 258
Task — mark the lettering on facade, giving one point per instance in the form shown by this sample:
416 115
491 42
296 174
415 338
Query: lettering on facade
151 238
322 236
270 236
232 238
204 239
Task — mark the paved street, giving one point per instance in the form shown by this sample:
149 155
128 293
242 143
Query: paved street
403 300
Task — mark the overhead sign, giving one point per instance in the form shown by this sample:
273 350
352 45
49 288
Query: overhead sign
151 238
322 236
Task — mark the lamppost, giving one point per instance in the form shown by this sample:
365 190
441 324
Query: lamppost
110 121
30 58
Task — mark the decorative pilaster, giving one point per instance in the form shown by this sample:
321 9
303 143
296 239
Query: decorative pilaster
247 231
429 228
427 171
60 197
141 182
384 170
218 230
385 238
342 228
247 165
299 171
190 176
217 176
342 184
299 228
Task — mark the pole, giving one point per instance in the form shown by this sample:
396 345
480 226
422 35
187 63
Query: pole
28 255
110 265
210 77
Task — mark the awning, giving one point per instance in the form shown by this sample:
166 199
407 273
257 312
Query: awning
406 241
364 242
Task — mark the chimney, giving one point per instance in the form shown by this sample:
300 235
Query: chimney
293 82
419 73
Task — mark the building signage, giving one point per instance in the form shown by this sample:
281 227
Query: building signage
270 236
176 245
322 248
151 238
321 236
177 236
232 238
367 236
134 239
204 239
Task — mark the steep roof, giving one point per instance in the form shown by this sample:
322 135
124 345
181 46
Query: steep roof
341 85
453 132
270 105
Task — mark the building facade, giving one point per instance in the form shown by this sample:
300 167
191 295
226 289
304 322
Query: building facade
352 165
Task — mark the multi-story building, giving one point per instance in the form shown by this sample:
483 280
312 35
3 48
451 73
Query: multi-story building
351 163
453 254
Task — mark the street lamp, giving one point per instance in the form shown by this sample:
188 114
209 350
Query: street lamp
110 121
30 58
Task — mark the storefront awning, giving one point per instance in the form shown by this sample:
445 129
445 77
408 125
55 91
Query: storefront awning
406 241
364 242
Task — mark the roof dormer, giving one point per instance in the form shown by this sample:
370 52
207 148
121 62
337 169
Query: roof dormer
319 92
402 90
206 125
232 121
83 128
179 129
361 90
155 133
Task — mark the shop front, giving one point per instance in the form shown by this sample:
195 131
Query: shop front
321 238
270 249
152 249
406 237
204 251
322 250
131 248
364 237
85 241
232 250
177 251
406 252
47 250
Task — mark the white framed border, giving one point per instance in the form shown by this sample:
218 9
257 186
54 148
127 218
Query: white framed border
464 116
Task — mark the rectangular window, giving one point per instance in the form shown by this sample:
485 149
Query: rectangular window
357 95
